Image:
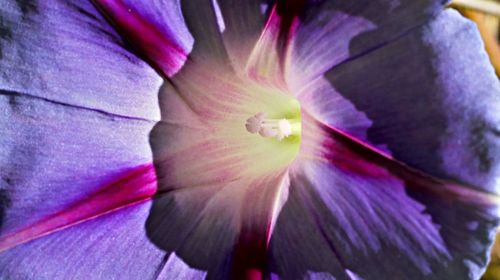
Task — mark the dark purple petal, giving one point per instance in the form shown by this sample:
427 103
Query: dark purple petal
332 32
352 211
205 23
432 99
56 159
67 52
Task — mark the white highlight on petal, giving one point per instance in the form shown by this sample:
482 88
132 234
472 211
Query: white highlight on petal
268 128
218 14
353 275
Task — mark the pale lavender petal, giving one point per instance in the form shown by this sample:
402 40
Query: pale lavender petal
214 174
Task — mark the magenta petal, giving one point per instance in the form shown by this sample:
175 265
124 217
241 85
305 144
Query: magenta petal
270 58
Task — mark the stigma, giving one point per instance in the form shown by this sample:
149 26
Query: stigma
270 128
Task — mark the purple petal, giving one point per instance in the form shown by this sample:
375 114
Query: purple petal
113 246
432 99
352 211
67 52
332 32
55 157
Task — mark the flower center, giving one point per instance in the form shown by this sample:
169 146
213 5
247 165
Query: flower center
272 128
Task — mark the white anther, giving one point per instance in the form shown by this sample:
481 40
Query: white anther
268 127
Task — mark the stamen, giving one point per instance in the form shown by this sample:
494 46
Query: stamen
268 128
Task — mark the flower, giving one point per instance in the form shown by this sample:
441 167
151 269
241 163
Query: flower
306 139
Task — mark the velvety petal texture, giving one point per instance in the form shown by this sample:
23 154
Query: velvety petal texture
438 114
54 155
152 29
66 51
364 213
435 102
104 248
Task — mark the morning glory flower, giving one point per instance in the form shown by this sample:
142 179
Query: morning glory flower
255 139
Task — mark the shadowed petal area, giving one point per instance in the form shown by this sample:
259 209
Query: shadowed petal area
158 30
113 246
243 22
432 98
206 24
220 228
351 211
54 156
67 52
225 31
